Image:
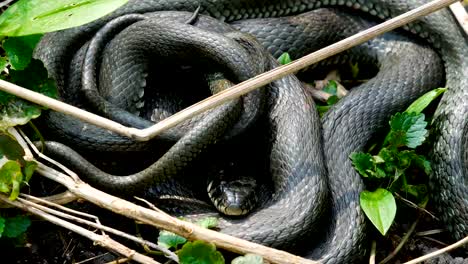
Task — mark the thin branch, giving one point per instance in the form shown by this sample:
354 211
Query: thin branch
103 241
372 253
166 222
460 14
402 242
235 91
411 204
99 226
61 198
430 232
438 252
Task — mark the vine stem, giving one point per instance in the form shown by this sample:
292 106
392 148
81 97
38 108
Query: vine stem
234 92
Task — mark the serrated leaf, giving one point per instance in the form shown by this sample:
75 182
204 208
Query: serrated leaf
331 87
170 240
362 162
284 58
422 102
27 17
15 226
248 259
208 222
380 207
20 49
407 129
199 252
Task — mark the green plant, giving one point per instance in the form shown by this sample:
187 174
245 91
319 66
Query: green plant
391 167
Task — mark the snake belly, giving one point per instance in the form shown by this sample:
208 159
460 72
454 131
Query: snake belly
300 189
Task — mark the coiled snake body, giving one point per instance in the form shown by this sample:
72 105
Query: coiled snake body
313 181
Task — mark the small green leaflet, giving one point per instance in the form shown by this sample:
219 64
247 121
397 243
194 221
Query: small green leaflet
362 162
331 87
422 102
199 252
380 207
27 17
248 259
284 58
15 226
407 129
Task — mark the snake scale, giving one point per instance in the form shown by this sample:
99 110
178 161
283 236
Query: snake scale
313 182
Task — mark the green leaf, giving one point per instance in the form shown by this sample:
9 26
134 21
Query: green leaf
284 58
27 17
248 259
29 169
362 162
170 240
11 178
16 226
20 49
422 102
418 191
199 252
354 69
422 163
3 63
208 222
17 112
35 77
10 148
407 129
332 100
380 207
331 87
2 226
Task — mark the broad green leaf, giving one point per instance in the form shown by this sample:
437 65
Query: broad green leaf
2 225
331 87
199 252
380 207
284 58
15 226
20 49
10 148
11 178
407 129
362 162
208 222
28 17
422 102
170 240
248 259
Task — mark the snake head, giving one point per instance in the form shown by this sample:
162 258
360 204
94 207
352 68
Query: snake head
235 198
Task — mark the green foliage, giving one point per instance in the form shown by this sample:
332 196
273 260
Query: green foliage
28 17
14 226
248 259
199 252
380 207
170 240
332 89
395 162
20 49
208 222
284 58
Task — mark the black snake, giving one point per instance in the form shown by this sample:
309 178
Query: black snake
314 184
